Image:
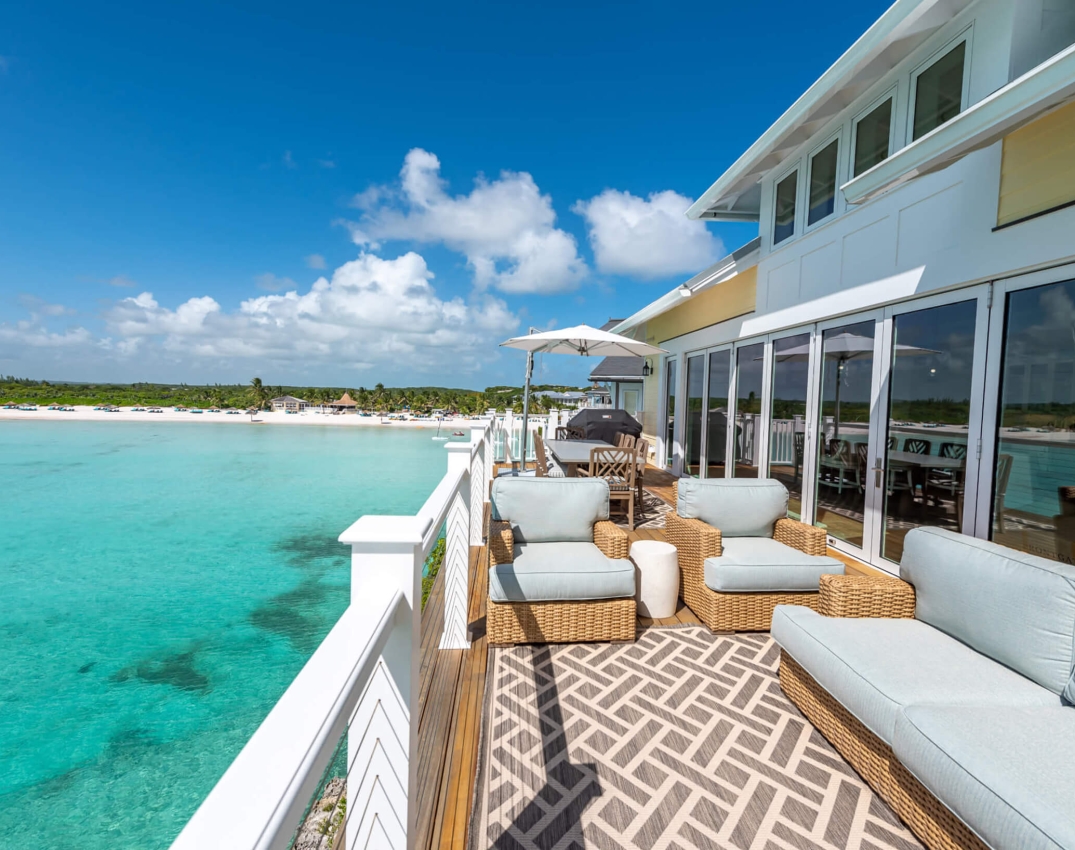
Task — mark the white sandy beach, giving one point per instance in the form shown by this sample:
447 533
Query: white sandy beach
86 413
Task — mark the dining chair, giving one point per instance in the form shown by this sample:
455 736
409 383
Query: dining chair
545 467
617 467
625 441
641 459
570 432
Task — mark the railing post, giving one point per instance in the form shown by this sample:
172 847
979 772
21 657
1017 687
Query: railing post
456 567
490 430
477 485
386 551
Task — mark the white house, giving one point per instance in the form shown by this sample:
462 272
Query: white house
898 344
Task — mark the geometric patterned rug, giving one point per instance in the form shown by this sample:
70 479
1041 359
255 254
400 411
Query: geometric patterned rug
682 739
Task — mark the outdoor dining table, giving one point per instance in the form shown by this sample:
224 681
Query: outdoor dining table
919 466
571 453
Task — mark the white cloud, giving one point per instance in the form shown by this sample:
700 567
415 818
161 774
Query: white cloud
647 238
122 280
271 283
371 312
288 160
504 227
40 307
315 261
327 163
35 335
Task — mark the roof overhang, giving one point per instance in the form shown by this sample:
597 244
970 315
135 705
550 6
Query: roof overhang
617 379
1039 90
716 274
736 195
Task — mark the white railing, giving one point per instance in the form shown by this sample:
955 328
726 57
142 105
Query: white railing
782 439
508 433
361 682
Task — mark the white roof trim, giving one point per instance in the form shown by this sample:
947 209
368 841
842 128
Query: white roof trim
902 19
1010 107
722 270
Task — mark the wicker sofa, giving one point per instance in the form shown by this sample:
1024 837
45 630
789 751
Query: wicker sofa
740 555
558 568
957 705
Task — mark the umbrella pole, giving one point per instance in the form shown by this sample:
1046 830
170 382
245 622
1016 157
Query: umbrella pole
526 399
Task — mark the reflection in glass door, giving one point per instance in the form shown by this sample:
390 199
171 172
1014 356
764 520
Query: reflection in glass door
928 421
1033 502
693 435
749 374
844 430
787 429
716 447
670 410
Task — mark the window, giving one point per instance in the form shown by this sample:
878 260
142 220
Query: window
872 135
939 91
785 207
823 183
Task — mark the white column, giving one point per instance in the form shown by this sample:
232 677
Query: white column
386 552
456 567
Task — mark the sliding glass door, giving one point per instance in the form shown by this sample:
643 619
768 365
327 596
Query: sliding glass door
787 416
692 443
746 441
719 380
670 411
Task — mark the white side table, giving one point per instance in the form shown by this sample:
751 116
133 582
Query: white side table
658 586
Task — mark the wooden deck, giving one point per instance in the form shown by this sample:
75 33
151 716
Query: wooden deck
452 692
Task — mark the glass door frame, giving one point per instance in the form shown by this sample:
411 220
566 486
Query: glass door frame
980 295
761 446
812 399
982 518
872 505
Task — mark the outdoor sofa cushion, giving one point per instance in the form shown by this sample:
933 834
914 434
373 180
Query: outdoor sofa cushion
1008 773
874 667
739 507
546 572
547 510
1016 608
759 564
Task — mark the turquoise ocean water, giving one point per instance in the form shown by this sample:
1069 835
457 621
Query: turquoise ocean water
160 586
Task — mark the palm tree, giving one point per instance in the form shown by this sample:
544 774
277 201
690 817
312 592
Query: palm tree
258 392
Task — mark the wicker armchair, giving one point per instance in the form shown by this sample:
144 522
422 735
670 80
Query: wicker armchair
696 540
561 620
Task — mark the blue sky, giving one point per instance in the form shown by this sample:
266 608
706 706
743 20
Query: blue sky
346 194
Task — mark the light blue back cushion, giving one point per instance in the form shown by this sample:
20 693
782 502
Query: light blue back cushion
549 510
1016 608
739 507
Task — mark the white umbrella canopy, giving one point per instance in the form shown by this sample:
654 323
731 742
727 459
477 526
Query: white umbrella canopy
582 340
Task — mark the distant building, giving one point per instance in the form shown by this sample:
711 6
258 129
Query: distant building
344 403
621 377
568 399
288 403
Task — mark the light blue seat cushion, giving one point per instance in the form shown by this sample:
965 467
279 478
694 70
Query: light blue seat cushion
547 510
756 564
874 667
1008 773
547 572
1016 608
739 507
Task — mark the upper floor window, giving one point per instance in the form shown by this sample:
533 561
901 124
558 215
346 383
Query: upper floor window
873 134
784 225
938 91
823 183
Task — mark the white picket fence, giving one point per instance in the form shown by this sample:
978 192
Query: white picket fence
362 681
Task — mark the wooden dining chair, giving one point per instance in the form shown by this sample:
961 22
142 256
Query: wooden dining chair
617 467
625 441
570 432
641 459
545 469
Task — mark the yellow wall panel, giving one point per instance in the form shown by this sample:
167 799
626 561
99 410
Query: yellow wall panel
1037 171
727 300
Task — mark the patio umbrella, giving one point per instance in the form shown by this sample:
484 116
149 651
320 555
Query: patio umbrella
843 347
579 340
